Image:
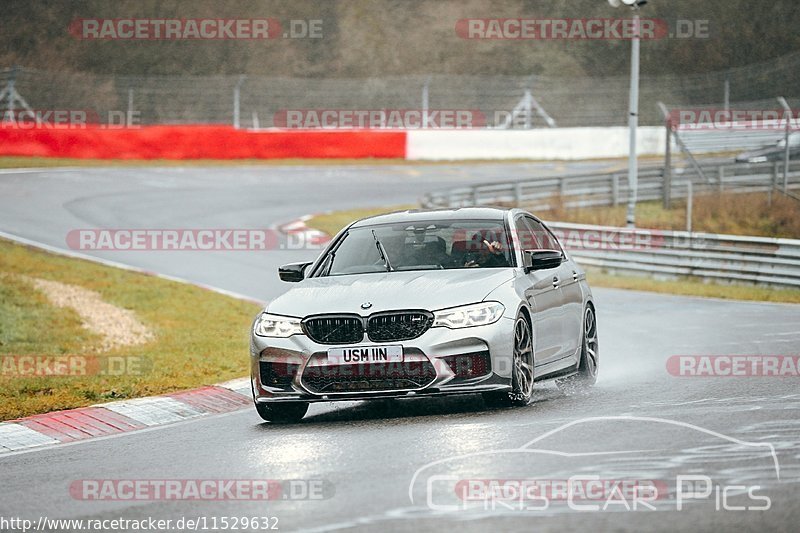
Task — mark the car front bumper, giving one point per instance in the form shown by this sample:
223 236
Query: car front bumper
298 357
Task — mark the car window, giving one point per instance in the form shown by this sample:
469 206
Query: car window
431 245
528 239
542 238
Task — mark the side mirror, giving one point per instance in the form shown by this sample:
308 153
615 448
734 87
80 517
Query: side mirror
292 272
541 259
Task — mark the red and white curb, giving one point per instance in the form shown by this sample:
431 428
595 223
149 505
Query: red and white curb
300 231
61 427
113 418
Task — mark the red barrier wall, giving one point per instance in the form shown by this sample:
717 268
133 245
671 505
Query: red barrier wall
199 142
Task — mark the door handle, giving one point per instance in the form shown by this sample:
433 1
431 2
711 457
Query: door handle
555 282
574 276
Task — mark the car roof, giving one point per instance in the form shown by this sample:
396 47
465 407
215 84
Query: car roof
419 215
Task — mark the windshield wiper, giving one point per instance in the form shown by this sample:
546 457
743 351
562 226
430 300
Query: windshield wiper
383 253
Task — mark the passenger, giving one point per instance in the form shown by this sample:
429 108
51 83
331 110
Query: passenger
487 251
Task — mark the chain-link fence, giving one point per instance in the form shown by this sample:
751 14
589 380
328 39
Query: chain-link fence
754 131
256 101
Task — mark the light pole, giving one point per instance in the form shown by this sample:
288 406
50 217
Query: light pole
633 109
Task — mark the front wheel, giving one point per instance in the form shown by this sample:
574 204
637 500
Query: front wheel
521 373
586 376
282 412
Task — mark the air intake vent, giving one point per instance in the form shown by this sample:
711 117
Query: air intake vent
335 329
398 325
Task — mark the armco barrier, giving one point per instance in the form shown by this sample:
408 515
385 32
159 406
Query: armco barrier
727 258
611 188
198 142
730 258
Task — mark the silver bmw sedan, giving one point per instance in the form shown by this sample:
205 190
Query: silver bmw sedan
428 302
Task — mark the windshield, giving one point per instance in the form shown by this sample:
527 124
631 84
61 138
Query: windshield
420 246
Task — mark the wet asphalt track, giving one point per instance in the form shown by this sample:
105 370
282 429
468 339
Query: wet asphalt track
368 453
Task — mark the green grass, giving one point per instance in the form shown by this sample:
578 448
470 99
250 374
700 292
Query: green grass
334 221
200 336
23 312
727 213
693 287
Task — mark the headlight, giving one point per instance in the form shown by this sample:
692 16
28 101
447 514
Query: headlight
269 325
469 315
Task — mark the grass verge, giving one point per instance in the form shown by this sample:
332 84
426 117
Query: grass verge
200 336
333 222
737 214
692 287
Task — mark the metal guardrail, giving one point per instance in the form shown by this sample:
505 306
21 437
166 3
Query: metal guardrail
728 258
711 141
611 189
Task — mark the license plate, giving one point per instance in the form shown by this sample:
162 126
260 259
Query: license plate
365 354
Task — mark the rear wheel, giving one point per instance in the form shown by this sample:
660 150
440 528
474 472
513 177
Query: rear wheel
282 412
521 373
586 376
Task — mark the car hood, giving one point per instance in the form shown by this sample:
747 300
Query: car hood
430 289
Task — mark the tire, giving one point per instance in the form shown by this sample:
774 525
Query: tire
283 412
522 375
586 374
